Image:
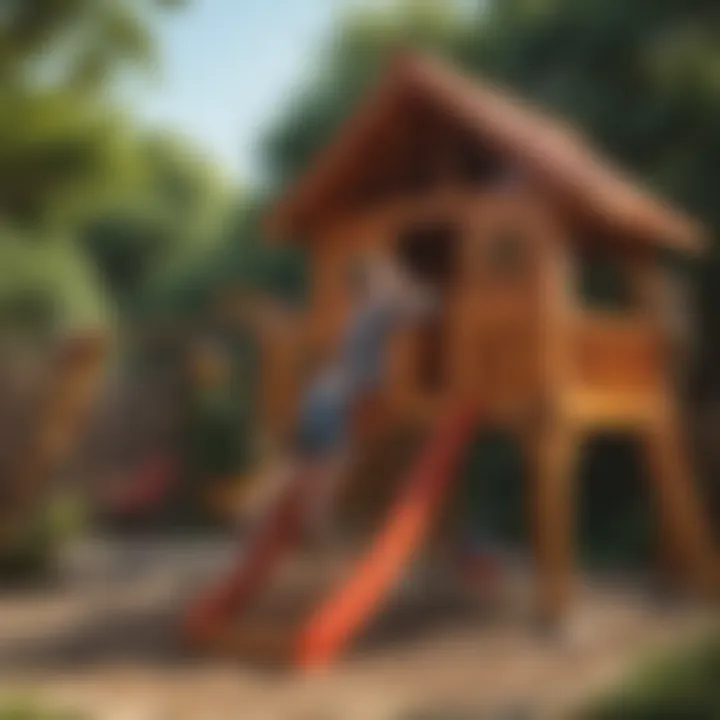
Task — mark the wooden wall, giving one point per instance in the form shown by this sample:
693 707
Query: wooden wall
492 316
514 329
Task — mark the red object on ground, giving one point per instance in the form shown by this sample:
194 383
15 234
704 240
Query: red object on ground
147 488
342 616
483 568
232 594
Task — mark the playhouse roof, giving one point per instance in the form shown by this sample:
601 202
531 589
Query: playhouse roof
542 145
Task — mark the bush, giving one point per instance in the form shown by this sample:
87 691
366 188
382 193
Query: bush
678 687
18 709
33 556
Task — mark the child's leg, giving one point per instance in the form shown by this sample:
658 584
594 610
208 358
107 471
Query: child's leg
266 488
329 475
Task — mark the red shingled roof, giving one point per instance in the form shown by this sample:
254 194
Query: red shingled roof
546 147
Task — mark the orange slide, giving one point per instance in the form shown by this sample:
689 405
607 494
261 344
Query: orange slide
336 619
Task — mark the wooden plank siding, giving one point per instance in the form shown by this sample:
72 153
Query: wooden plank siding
615 354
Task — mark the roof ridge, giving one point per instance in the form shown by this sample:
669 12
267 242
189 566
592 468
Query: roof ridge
549 145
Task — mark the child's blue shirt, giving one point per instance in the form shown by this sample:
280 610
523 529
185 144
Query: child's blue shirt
324 422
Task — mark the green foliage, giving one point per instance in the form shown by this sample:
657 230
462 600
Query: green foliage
682 686
606 65
24 709
241 258
616 526
53 146
75 43
59 62
250 260
32 555
489 504
151 240
144 206
47 284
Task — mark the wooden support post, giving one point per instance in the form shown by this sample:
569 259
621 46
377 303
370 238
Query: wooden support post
686 537
553 450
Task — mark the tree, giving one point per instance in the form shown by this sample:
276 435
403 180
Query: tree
163 227
60 61
62 148
64 43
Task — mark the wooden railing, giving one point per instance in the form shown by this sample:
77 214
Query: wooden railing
615 353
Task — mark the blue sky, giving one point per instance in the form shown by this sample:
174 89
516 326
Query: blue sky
228 65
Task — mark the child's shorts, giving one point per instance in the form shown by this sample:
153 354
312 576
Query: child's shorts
324 421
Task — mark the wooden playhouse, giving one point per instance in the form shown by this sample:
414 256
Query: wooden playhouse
501 207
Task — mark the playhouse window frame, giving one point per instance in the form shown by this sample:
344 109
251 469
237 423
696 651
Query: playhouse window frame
604 283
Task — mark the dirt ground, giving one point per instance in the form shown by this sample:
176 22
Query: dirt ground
102 641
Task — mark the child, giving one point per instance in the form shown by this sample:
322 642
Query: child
386 297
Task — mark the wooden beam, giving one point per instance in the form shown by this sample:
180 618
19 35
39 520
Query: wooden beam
552 448
686 535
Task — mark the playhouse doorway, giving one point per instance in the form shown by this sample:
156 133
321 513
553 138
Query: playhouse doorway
430 252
